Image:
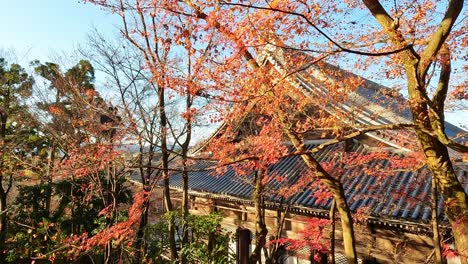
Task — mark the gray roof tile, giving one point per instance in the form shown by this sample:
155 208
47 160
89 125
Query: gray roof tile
401 195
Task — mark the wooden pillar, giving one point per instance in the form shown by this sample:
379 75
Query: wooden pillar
243 245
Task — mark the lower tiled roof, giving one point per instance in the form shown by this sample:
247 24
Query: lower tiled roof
379 190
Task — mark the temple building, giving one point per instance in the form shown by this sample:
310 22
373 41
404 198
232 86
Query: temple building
395 205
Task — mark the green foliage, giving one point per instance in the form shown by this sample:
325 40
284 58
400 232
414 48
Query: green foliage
74 195
156 240
32 231
40 231
44 215
73 107
81 74
15 152
209 244
15 87
31 203
20 139
40 240
14 81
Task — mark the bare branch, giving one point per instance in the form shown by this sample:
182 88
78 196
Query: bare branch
339 46
438 38
391 25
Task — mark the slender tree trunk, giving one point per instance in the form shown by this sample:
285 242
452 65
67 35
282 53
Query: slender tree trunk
107 253
169 209
110 201
185 208
277 252
165 169
172 230
336 188
185 211
3 191
139 245
261 230
332 232
435 224
185 149
3 216
271 253
50 171
3 210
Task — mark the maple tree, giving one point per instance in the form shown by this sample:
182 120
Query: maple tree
258 150
84 130
435 132
216 74
63 143
156 87
275 101
126 72
428 112
417 44
237 31
312 238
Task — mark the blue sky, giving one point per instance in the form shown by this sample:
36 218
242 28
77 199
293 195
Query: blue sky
36 29
39 29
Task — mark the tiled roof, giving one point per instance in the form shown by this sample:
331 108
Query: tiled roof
398 195
394 195
368 104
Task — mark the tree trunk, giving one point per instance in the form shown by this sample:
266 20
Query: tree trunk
336 188
435 225
169 209
185 149
3 217
261 230
276 253
416 68
139 244
145 179
165 168
439 163
111 201
185 194
332 232
50 171
185 211
3 191
346 225
108 253
455 200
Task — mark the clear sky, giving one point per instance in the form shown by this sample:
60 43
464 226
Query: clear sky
39 29
36 29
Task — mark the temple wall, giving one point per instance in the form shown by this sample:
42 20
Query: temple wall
382 244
